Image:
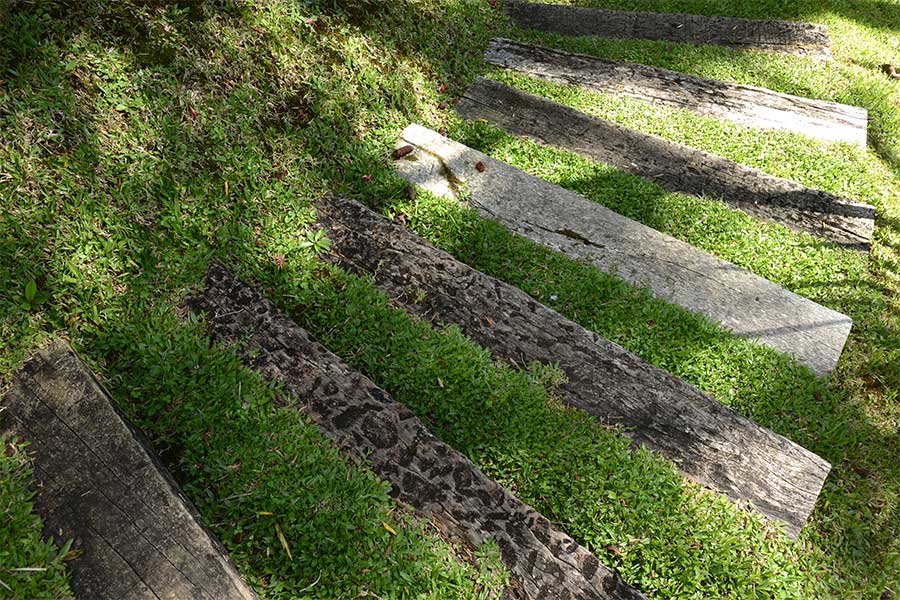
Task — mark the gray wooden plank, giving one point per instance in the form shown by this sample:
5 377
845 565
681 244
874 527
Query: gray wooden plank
742 104
792 37
424 473
673 166
709 442
98 484
748 305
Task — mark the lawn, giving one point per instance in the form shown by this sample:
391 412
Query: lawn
141 139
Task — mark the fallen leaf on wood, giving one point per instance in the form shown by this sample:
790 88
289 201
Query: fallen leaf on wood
402 151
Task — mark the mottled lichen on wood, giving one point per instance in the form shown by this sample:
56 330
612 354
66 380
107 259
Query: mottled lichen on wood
431 477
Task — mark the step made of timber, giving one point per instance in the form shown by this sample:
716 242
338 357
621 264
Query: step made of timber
792 37
742 104
748 305
673 166
708 441
424 473
138 537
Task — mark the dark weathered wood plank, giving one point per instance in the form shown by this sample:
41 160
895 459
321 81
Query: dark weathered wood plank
709 442
99 485
742 104
673 166
424 472
748 305
792 37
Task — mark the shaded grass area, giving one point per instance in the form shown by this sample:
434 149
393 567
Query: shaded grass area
29 566
140 139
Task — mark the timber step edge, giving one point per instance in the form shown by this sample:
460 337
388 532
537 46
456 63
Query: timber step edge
98 484
547 214
744 105
673 166
426 474
709 442
773 35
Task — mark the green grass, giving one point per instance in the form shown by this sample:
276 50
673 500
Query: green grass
29 566
140 139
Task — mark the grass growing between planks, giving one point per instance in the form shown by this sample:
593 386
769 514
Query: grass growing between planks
864 36
140 139
29 567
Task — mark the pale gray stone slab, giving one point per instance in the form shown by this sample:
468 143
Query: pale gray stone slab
670 165
773 35
433 478
742 104
98 484
710 443
746 304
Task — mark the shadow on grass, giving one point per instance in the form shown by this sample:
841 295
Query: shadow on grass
216 151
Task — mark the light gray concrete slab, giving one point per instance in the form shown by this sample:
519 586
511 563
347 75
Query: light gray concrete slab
746 304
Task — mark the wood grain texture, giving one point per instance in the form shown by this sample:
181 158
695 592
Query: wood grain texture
742 104
748 305
673 166
97 483
424 472
791 37
708 441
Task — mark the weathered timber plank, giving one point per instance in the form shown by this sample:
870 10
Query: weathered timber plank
791 37
99 485
748 305
673 166
709 442
742 104
424 473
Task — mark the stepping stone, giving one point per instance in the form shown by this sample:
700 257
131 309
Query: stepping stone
709 442
424 473
748 305
673 166
791 37
742 104
137 536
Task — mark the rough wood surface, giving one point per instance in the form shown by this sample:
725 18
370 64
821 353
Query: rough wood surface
423 471
139 537
792 37
748 305
673 166
709 442
742 104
